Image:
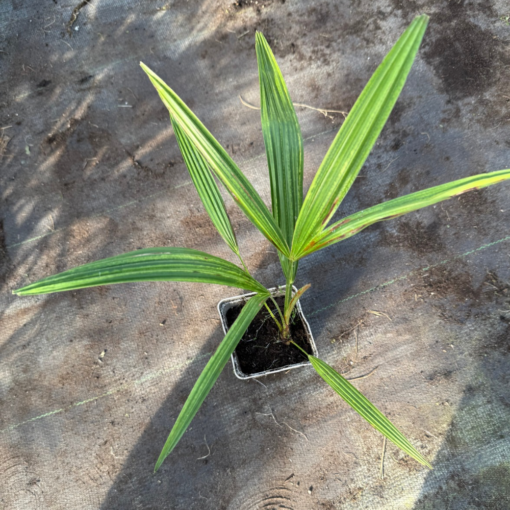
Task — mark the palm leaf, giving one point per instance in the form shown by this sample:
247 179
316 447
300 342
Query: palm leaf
282 138
351 225
148 265
210 373
284 147
220 163
356 137
365 408
206 187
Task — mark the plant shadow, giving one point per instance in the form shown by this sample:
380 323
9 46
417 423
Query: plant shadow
471 468
195 459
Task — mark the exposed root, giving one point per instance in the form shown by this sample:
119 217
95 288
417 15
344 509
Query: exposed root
382 457
209 451
324 111
364 376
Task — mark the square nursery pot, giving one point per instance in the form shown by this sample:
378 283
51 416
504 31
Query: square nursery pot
240 356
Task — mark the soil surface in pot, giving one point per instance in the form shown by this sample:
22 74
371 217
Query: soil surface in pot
261 347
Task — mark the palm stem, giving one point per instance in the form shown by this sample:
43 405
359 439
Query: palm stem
280 326
279 312
300 348
288 298
242 262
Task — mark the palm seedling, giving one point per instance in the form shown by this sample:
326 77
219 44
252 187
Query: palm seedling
297 227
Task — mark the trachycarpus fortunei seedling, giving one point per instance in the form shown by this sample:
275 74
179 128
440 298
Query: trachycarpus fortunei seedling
296 227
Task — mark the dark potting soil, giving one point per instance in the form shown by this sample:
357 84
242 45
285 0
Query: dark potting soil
261 347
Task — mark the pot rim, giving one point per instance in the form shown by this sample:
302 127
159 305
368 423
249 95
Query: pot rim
275 292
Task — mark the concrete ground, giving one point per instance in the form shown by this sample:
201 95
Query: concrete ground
92 381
